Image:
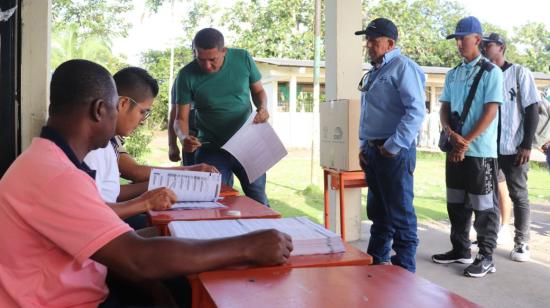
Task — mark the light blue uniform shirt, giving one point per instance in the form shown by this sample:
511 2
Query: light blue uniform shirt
393 103
457 86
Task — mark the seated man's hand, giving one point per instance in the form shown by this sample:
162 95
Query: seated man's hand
267 247
191 144
201 167
174 153
158 199
261 116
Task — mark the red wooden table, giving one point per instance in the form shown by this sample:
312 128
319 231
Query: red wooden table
348 286
339 181
352 256
247 207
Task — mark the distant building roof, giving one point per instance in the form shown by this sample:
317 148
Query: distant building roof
309 63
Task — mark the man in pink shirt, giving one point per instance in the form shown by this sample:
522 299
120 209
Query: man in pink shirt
58 237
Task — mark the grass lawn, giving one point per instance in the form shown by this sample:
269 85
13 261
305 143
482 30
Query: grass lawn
289 190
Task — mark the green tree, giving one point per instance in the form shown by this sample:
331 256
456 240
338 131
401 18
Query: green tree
67 44
158 64
103 18
423 26
278 28
85 30
534 40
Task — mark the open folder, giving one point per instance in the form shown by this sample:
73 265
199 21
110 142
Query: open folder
193 189
308 237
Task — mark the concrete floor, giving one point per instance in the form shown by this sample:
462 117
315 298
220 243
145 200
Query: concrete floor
514 284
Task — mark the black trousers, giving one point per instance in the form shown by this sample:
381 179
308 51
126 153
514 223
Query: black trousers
472 188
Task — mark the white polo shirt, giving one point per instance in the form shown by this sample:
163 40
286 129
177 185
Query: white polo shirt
516 79
107 179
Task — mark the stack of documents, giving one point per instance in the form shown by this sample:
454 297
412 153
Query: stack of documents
308 237
193 189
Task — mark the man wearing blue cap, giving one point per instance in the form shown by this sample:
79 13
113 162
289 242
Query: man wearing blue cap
392 110
471 167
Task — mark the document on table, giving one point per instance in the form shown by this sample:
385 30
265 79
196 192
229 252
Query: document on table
307 237
257 147
197 205
188 185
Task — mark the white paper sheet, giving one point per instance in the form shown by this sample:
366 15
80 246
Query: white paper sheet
197 205
257 147
308 237
187 185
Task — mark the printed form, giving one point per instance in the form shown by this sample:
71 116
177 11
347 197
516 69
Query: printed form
193 189
257 147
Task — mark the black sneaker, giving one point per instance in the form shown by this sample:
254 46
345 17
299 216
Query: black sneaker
452 257
481 266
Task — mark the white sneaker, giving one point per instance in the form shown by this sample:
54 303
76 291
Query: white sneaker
520 253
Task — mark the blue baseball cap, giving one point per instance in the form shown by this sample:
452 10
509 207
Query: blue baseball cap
380 27
466 26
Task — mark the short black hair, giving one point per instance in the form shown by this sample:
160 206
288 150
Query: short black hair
136 83
208 38
76 82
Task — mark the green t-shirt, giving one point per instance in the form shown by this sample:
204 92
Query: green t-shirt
222 99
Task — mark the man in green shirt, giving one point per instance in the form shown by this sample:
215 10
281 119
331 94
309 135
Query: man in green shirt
219 81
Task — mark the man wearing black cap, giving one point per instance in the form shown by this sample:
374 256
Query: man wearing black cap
392 110
471 167
518 123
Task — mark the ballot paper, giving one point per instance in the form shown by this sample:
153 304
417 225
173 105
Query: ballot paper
257 147
308 237
188 185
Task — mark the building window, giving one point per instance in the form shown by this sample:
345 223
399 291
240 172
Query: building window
304 96
283 97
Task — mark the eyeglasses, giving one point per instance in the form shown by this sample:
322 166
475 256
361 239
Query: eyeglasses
362 86
145 113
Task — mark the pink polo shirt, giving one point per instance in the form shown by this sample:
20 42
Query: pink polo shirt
52 220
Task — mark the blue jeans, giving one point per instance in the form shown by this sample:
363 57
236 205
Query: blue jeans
229 165
390 207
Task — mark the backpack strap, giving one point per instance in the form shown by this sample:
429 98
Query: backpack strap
484 66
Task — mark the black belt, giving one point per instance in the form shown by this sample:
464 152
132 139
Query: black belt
376 142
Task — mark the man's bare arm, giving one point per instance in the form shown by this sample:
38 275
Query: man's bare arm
259 98
163 257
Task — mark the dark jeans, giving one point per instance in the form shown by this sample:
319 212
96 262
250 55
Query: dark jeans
229 165
516 180
125 293
390 207
472 188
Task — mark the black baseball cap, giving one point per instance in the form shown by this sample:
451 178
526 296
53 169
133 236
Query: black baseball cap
380 27
494 38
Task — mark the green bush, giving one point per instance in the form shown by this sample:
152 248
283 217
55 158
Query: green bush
138 143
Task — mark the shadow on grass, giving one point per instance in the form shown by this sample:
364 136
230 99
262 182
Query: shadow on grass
283 186
288 210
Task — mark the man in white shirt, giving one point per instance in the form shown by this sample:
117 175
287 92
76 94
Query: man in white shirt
137 90
517 125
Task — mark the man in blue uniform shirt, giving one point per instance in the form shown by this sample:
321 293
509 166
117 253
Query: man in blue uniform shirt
392 111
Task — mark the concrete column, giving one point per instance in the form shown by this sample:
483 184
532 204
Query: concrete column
271 89
292 90
433 98
35 67
343 70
